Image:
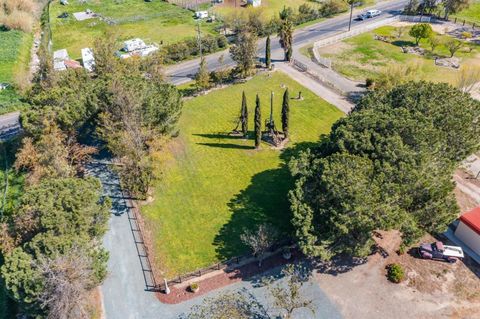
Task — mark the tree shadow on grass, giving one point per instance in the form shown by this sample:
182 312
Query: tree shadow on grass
265 200
220 135
228 145
403 43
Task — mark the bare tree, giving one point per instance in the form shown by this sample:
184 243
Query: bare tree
67 279
453 45
467 78
236 305
287 296
259 240
400 31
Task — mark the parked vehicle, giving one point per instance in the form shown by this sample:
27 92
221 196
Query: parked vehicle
362 16
373 13
439 251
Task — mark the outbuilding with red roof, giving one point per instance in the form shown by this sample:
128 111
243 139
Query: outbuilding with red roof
468 229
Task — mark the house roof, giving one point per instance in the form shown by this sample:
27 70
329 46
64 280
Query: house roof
472 219
72 64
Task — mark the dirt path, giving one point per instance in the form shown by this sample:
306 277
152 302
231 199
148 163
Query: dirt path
431 290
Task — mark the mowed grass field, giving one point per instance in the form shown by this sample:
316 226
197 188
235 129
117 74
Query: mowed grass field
471 14
154 22
214 185
14 54
364 57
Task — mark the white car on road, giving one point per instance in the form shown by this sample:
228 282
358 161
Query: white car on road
369 14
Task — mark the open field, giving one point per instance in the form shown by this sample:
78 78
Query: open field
364 57
471 14
214 185
154 22
269 8
14 63
14 54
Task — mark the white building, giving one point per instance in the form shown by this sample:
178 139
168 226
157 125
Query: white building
201 14
468 229
88 59
59 58
254 3
133 45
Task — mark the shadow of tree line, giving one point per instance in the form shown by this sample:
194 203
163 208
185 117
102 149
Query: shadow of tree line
265 200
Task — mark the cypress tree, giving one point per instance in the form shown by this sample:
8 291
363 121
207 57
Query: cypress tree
258 124
244 115
285 112
268 54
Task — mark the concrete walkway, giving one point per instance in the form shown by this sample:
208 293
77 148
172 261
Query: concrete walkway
327 75
329 95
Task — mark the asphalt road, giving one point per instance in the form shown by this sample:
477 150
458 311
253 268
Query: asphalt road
184 72
9 125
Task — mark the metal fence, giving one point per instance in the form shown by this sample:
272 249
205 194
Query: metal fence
227 265
464 23
136 227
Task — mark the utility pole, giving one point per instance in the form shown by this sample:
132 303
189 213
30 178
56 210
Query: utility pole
351 13
271 110
199 36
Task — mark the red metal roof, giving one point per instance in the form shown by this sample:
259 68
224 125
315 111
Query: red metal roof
472 219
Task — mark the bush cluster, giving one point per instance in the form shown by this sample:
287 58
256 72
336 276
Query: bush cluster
189 48
18 14
395 273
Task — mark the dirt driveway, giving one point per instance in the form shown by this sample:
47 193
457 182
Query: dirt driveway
432 289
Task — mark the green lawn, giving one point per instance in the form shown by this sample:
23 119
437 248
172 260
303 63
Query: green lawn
14 63
214 185
363 56
153 22
14 54
471 14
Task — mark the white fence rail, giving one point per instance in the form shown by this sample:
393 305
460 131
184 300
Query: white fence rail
417 19
345 35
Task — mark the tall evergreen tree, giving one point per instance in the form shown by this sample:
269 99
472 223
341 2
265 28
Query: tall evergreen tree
202 78
244 115
286 37
258 124
268 54
285 112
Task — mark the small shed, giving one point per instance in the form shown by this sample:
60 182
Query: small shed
59 58
133 44
254 3
201 14
88 59
468 229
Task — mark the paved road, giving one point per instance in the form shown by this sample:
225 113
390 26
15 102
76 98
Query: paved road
9 125
184 72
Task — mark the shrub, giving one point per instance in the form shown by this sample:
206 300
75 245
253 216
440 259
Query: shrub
18 20
402 249
395 273
369 83
332 7
466 35
189 48
194 286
